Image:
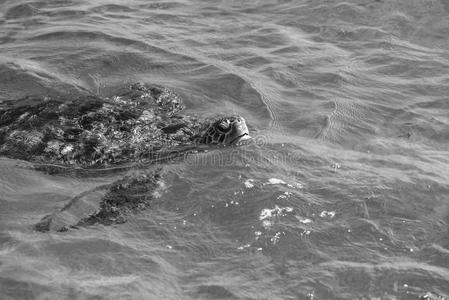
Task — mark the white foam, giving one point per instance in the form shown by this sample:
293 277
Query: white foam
267 214
329 214
285 195
266 224
249 183
275 181
305 232
303 220
276 211
244 246
275 239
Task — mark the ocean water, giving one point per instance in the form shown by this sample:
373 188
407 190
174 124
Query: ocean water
342 195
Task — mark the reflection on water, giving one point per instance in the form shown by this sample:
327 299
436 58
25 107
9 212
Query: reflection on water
341 195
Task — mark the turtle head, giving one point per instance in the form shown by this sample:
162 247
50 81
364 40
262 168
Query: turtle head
226 131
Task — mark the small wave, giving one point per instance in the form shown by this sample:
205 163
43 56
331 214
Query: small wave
162 5
396 277
236 89
215 292
348 120
24 77
25 10
112 8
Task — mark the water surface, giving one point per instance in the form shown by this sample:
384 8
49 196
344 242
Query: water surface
343 194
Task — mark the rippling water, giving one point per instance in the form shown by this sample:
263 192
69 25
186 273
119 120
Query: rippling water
343 195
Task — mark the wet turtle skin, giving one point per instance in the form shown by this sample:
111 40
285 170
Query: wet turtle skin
96 132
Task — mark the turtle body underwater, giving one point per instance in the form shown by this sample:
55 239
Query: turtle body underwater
142 123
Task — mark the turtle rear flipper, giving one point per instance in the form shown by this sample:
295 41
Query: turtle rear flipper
78 209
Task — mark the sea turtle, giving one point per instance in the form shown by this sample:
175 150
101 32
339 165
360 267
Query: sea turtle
141 123
90 132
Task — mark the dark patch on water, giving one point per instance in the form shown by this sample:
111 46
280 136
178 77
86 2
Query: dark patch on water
215 292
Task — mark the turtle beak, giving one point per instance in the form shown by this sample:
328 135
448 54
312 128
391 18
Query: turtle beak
240 128
241 138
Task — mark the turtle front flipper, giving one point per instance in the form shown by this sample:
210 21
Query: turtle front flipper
107 204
